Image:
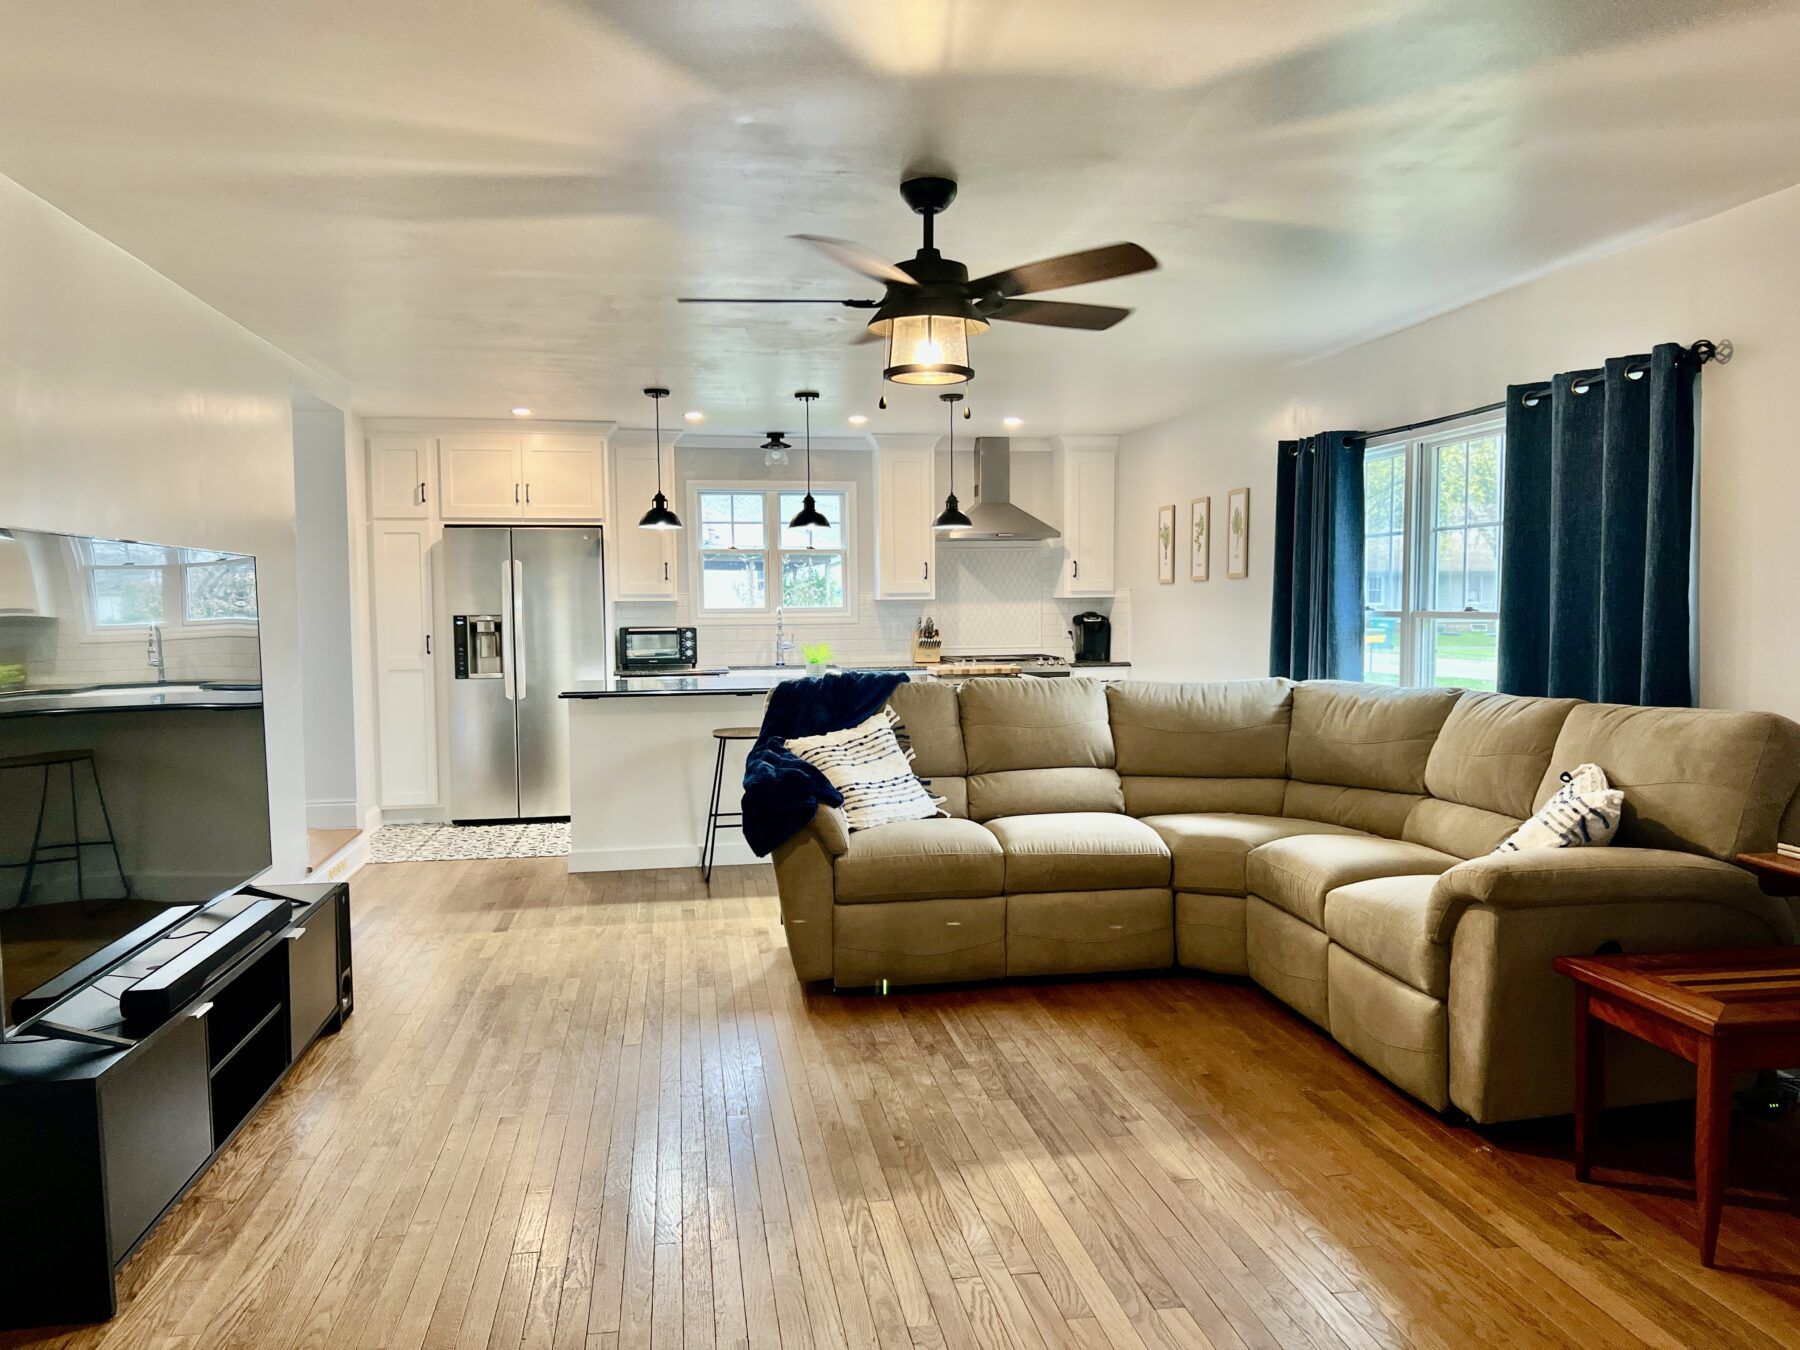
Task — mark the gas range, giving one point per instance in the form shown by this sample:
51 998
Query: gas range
1007 663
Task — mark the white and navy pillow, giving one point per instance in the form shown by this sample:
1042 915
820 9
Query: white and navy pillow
864 762
1583 812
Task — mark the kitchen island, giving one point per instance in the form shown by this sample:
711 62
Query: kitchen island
641 756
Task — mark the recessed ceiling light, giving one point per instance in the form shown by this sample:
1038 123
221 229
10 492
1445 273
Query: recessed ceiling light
521 412
695 416
1012 423
858 420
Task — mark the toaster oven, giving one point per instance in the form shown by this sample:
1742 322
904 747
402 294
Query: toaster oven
646 650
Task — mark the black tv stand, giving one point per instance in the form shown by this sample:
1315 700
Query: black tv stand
107 1120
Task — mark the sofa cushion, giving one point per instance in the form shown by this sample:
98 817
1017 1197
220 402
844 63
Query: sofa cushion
1034 792
929 724
919 860
1209 851
1493 750
1080 851
1026 723
1389 922
1365 736
1703 780
1232 729
1367 809
1296 874
1157 795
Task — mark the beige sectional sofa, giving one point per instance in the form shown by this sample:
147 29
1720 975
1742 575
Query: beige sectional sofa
1333 842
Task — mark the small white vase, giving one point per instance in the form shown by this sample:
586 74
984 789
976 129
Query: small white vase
816 668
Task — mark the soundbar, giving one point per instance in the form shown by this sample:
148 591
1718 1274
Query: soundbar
179 980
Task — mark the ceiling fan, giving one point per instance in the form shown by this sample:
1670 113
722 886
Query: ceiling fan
930 305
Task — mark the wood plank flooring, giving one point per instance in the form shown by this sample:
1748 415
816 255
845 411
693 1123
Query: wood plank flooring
597 1112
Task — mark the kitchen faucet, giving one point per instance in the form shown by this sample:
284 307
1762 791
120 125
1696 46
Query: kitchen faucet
783 643
153 654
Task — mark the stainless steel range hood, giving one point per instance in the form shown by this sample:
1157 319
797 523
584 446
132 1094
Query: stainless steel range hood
993 518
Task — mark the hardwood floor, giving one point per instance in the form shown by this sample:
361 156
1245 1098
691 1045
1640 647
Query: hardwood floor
598 1112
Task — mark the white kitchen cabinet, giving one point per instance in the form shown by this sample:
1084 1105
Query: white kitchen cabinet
643 561
482 476
406 687
564 477
905 505
400 477
1087 472
24 587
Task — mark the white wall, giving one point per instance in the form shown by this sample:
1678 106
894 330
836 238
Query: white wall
128 407
322 534
1735 276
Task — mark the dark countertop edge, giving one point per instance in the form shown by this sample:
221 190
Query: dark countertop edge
650 692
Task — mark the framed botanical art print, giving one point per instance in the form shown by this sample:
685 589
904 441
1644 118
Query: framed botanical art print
1237 534
1200 539
1165 545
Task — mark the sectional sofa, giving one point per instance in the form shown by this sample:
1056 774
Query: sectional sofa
1332 841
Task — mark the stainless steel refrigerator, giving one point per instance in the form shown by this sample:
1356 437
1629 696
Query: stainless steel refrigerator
527 620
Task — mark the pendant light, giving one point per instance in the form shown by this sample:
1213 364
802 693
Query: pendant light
951 517
809 517
659 517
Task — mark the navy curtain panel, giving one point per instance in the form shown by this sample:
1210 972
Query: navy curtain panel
1597 540
1316 627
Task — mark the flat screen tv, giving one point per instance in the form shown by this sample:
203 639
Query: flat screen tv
133 775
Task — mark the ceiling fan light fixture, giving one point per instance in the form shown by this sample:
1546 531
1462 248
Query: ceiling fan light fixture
928 349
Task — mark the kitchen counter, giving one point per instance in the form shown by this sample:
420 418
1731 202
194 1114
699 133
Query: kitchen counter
750 682
41 701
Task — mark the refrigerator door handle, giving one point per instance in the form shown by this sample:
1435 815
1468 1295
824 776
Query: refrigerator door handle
518 597
506 664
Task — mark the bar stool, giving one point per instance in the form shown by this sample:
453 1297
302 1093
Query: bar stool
46 852
714 816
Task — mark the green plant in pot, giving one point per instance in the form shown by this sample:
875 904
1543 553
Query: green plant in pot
818 657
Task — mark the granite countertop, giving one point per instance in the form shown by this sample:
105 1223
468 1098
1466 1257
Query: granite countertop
751 682
42 701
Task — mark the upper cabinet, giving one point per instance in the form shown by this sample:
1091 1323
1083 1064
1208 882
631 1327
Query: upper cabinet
643 561
400 477
492 476
24 585
905 505
1087 471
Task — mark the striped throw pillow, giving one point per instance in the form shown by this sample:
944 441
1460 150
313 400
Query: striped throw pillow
864 762
1582 813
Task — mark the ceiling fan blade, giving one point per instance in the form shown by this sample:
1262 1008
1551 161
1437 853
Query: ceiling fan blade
1071 269
856 258
765 300
1057 314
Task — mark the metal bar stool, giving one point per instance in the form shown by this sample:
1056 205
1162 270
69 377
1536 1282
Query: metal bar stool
50 851
709 851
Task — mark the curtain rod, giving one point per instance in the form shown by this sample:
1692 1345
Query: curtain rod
1703 351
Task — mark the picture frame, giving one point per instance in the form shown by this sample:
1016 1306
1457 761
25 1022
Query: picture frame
1237 534
1165 544
1200 539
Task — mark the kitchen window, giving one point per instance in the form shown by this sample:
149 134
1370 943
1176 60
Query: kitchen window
132 586
1432 508
751 562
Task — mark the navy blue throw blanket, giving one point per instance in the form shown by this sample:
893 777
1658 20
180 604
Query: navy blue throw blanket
781 790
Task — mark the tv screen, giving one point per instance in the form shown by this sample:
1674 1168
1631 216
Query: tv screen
133 782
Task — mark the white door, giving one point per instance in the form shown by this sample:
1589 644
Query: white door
480 477
406 692
905 543
565 477
399 477
643 561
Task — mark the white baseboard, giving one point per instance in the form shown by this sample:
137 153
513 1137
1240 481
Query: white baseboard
732 852
346 864
331 815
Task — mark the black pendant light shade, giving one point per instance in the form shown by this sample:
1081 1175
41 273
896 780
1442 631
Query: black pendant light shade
659 516
809 517
951 517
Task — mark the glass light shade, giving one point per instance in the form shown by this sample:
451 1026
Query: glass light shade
929 349
659 517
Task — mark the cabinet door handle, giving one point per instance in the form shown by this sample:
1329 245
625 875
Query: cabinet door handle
927 572
1078 568
665 571
428 644
422 497
515 494
201 1011
528 494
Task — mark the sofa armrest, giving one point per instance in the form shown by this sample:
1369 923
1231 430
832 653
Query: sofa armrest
831 827
1553 877
806 884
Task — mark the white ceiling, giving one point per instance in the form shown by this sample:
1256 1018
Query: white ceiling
460 205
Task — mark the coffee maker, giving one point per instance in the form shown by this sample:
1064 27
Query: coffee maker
1093 638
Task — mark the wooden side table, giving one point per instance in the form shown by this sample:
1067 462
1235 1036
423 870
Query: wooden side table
1725 1012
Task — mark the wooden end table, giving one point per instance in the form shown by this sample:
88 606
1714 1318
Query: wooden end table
1725 1012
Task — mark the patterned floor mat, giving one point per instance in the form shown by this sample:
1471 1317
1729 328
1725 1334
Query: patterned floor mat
451 843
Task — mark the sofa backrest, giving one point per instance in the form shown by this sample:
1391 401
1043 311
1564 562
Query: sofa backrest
1038 745
1221 746
1483 772
1357 752
1706 780
928 722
